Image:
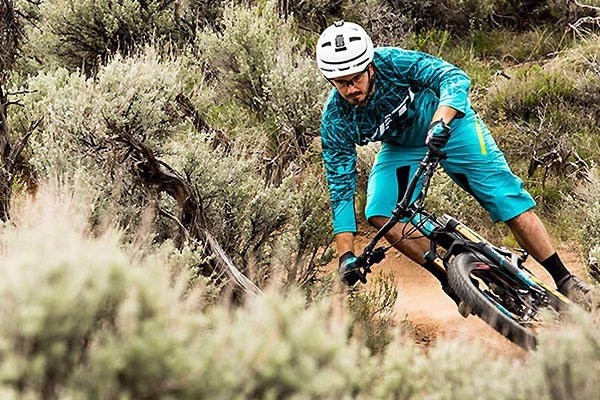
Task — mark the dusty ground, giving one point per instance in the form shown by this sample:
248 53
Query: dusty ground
434 316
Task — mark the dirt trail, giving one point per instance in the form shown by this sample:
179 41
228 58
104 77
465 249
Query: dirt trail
434 316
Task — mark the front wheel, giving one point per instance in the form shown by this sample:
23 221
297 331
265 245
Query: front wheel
500 299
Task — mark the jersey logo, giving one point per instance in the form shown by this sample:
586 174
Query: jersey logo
396 114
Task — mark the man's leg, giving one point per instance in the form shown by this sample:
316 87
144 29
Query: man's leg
413 248
533 237
388 182
476 164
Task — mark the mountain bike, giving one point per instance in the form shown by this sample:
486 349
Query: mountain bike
492 282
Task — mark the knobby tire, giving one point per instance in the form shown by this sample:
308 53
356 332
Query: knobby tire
459 276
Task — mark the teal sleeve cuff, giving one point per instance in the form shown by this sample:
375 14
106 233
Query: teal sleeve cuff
461 105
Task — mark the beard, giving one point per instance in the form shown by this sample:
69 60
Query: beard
357 99
361 98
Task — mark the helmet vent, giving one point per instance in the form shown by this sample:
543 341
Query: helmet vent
343 49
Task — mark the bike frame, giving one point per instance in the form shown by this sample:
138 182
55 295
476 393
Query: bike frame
447 232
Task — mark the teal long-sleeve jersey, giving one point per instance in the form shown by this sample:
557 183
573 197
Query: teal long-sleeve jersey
409 87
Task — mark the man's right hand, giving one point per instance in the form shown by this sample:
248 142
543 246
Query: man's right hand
349 269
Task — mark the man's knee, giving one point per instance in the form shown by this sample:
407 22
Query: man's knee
523 218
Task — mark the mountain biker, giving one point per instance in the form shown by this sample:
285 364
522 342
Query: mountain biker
411 102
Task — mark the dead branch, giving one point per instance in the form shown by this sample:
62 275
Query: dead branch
576 26
189 110
176 220
589 20
15 152
10 155
233 273
164 178
586 6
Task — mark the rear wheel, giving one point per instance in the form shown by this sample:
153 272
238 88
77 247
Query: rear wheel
499 299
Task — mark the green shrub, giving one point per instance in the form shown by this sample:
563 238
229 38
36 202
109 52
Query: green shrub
84 117
586 212
86 33
269 230
401 374
454 372
594 263
243 53
311 230
548 116
82 319
192 15
536 87
272 348
513 47
261 68
10 38
570 79
243 213
373 315
383 21
80 114
403 16
311 14
567 363
85 122
58 288
522 15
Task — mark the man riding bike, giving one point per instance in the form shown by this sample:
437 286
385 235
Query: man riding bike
411 102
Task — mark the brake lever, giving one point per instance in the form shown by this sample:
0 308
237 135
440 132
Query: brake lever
378 255
366 260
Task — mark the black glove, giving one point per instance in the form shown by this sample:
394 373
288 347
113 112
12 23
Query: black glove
438 134
349 269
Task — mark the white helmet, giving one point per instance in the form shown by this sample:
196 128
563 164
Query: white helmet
344 48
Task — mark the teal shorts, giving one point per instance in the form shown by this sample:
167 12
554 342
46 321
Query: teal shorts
473 161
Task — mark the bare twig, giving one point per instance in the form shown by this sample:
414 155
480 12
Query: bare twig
18 148
200 125
586 6
173 218
233 273
587 20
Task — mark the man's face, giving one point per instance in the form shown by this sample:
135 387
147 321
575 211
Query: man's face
355 87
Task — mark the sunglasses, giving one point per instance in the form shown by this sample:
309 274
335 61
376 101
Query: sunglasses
356 79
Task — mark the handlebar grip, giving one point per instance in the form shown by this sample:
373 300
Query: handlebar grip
366 259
